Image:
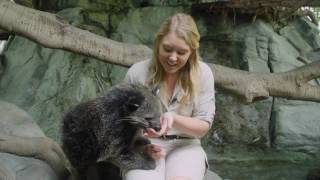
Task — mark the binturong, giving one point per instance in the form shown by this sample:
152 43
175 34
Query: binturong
109 129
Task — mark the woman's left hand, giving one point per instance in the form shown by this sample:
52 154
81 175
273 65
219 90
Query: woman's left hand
166 120
155 151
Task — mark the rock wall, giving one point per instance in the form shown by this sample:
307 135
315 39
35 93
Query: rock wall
45 82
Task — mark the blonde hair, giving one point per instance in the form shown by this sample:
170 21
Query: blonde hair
184 27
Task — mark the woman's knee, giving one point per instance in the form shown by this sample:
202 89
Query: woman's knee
180 178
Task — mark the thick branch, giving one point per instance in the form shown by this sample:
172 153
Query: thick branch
51 31
250 4
295 83
255 86
37 147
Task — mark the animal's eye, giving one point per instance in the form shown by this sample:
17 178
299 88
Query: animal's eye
132 107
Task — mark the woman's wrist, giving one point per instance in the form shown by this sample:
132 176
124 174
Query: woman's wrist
189 125
167 119
174 119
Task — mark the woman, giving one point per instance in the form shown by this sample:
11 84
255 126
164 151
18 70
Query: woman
185 86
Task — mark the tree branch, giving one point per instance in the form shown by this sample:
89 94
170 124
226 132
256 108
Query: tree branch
51 31
256 86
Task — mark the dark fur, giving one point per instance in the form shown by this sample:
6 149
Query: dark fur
108 129
314 174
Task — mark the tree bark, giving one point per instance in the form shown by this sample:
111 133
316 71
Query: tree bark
256 86
252 4
52 31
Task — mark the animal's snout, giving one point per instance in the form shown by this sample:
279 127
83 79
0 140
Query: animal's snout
157 128
155 124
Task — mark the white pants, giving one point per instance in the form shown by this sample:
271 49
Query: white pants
185 157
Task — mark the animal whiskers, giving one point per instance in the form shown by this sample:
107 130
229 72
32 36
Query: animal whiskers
134 120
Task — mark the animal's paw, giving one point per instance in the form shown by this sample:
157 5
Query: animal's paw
149 165
141 141
145 165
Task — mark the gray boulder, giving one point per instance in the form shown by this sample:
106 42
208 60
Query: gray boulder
14 121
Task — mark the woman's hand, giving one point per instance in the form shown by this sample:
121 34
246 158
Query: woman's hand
166 120
155 151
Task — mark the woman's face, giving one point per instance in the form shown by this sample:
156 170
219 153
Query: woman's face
174 53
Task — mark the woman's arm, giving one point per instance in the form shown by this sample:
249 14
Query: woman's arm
189 125
203 113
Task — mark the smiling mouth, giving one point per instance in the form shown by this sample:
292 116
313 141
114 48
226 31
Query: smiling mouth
171 64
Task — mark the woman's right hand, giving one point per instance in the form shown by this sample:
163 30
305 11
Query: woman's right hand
166 123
